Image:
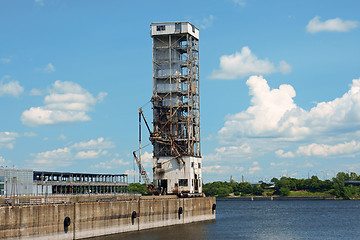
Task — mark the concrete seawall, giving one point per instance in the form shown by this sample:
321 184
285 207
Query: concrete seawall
90 219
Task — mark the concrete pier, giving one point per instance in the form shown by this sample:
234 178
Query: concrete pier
80 220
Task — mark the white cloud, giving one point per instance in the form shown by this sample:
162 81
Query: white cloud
280 153
67 156
40 2
67 102
5 60
62 137
30 134
35 92
7 139
263 118
114 163
325 150
94 144
216 169
206 22
254 169
245 63
274 114
61 157
49 68
280 164
284 67
241 3
12 88
91 154
101 96
332 25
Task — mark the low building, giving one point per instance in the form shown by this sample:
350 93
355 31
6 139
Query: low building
17 182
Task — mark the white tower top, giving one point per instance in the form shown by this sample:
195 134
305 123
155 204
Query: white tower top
166 28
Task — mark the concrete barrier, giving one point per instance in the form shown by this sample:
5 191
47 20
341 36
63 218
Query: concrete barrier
90 219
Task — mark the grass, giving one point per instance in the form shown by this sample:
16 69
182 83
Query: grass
309 194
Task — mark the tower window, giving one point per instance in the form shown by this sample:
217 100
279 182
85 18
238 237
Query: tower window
183 182
160 28
192 164
199 165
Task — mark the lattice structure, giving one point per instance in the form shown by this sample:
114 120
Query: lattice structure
176 108
176 99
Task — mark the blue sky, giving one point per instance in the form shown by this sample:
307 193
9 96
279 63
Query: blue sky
279 83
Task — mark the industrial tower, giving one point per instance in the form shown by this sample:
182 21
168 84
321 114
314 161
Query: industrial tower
176 108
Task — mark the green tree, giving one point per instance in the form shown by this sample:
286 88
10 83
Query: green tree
257 190
138 188
284 191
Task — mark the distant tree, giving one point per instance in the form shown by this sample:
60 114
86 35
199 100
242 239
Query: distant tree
257 190
274 180
138 188
245 188
284 191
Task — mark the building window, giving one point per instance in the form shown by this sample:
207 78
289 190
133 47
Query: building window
193 29
160 28
192 164
183 182
199 165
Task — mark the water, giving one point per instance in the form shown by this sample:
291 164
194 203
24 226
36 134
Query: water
236 219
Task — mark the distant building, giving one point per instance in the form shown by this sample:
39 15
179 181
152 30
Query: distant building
17 182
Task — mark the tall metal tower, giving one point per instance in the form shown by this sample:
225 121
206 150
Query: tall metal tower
176 108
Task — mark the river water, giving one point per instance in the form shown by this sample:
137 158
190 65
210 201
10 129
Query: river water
238 219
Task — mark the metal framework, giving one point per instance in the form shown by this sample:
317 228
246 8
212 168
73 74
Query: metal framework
176 99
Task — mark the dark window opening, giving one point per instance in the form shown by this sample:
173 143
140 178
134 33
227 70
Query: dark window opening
199 165
160 28
192 164
193 29
183 182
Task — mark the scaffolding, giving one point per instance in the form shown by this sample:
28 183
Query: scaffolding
176 108
176 98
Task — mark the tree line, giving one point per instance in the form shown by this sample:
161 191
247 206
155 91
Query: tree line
285 186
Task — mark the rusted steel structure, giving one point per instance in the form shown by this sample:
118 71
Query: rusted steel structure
176 108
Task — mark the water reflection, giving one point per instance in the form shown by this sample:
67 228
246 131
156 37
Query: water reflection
178 232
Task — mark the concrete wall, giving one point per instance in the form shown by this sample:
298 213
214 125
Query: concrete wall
100 218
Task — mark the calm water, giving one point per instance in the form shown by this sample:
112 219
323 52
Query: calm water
236 219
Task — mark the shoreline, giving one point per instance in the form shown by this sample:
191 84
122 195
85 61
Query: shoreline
276 198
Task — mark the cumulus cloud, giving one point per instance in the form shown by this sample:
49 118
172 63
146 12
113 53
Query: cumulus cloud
49 68
7 139
12 88
280 153
254 168
245 63
274 115
113 163
97 144
218 169
67 156
346 149
35 92
51 159
332 25
67 102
